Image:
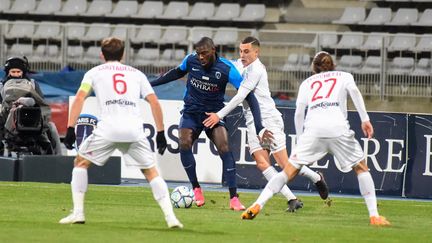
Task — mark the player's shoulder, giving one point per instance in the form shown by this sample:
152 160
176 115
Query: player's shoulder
256 66
226 62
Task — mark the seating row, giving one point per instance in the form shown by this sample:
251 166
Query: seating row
385 16
136 34
132 9
52 53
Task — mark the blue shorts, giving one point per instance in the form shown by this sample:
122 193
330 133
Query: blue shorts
195 120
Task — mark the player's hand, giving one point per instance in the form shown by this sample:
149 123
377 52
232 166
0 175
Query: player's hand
70 138
368 129
265 136
211 120
161 143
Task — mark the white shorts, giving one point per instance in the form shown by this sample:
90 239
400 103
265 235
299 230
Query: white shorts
135 154
275 125
346 149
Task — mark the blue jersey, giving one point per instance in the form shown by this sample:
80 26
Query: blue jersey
205 89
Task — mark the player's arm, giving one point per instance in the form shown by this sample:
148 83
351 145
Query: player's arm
173 74
359 104
74 113
299 114
156 109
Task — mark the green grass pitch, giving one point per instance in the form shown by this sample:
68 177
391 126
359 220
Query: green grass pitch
29 212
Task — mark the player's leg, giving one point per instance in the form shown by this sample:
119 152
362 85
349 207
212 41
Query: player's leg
219 137
79 186
161 195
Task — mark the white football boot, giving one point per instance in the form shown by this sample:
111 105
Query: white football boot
73 219
173 222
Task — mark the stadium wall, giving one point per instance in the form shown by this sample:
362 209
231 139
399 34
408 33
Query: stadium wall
399 155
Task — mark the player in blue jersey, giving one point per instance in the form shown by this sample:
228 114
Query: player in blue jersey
208 77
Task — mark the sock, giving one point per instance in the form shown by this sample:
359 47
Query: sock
310 174
189 164
161 195
269 173
367 190
79 186
273 186
233 192
229 169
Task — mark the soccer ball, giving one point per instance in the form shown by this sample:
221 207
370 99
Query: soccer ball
182 197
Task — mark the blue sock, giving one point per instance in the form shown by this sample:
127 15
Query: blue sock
189 164
229 171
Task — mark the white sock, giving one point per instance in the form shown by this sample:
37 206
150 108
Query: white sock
161 195
367 190
269 173
310 174
273 186
79 186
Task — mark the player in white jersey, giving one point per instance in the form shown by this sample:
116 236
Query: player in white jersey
118 89
255 79
326 130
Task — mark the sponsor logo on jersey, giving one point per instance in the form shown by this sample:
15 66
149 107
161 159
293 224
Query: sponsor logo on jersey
324 105
121 102
195 69
206 86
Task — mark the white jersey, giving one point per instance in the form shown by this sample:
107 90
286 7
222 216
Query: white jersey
118 89
325 95
255 79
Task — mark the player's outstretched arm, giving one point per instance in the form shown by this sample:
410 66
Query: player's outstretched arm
359 104
155 106
171 75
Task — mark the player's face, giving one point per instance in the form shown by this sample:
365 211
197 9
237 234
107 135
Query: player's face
15 73
248 53
206 55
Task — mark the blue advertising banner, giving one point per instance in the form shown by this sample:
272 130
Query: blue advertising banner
385 154
419 170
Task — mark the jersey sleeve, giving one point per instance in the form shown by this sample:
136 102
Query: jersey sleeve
302 95
251 78
234 77
146 87
184 64
87 82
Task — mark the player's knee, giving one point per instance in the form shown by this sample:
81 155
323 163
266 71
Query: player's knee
185 145
361 167
223 149
81 162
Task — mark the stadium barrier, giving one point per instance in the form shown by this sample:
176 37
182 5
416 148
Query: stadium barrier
399 155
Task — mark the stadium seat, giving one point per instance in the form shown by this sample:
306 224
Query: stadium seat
75 53
326 40
73 7
150 9
167 58
5 5
351 15
349 63
201 11
22 6
305 62
252 12
402 42
174 34
48 30
46 53
75 31
350 40
196 33
422 68
92 55
97 32
404 16
377 16
46 7
124 9
146 56
424 44
175 10
20 50
21 29
425 18
98 8
121 31
147 33
374 41
372 65
401 66
226 36
179 55
291 63
226 11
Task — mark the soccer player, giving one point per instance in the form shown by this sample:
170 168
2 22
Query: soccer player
255 79
118 88
208 77
326 130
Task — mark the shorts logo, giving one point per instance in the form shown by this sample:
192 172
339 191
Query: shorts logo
218 75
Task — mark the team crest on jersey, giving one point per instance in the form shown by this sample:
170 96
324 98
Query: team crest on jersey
218 75
84 127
